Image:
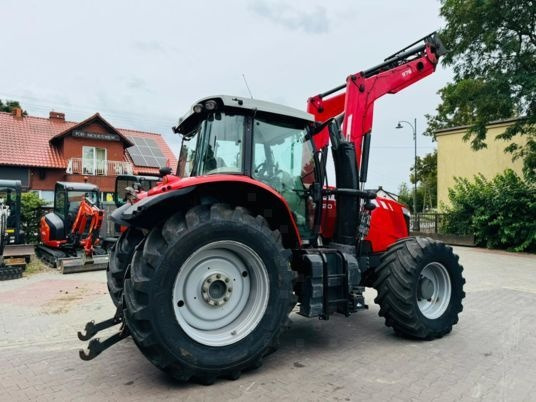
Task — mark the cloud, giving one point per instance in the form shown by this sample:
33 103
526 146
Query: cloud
312 20
149 46
137 83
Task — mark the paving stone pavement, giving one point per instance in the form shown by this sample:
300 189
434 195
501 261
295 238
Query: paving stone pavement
490 355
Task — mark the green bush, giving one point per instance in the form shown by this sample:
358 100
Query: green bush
31 206
501 213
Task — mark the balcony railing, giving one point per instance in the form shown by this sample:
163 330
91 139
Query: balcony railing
98 168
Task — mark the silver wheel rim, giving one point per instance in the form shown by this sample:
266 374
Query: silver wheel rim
434 290
221 293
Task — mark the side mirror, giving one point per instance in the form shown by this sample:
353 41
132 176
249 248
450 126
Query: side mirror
164 171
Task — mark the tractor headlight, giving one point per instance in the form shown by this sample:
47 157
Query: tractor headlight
211 105
198 108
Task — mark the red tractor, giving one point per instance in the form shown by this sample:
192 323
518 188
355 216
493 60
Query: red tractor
215 258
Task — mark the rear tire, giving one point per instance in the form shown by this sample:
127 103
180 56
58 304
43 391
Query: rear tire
420 288
169 273
120 258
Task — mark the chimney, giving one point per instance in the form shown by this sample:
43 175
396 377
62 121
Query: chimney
56 116
17 113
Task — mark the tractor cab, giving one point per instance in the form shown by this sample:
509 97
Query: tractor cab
10 211
68 197
265 141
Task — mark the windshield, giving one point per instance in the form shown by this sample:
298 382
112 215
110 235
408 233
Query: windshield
70 201
215 146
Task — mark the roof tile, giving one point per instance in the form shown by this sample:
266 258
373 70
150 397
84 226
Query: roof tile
26 142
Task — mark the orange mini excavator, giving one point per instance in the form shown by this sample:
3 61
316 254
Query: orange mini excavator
70 234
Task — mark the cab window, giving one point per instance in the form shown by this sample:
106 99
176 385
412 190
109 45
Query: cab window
283 159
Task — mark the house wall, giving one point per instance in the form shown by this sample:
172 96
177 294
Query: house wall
105 183
456 158
45 179
15 173
72 146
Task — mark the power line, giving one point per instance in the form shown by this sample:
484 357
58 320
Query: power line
46 106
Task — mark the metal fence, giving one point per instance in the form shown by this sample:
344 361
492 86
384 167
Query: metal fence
434 225
428 222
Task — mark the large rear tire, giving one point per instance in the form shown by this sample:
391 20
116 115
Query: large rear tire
209 293
420 288
120 258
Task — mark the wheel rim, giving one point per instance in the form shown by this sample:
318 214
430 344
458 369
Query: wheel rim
433 290
221 293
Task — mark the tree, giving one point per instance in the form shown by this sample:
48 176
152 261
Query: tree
497 212
31 206
405 196
492 49
426 180
426 184
9 106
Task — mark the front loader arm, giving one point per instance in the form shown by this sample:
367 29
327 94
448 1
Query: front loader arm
362 89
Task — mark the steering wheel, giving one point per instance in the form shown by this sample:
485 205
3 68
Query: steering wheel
261 169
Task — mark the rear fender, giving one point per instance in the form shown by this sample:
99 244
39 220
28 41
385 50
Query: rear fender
255 196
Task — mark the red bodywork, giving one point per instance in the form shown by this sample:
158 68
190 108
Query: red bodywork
85 227
387 223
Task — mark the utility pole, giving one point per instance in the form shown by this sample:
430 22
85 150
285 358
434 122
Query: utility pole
414 128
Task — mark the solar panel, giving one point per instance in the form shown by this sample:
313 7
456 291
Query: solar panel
146 152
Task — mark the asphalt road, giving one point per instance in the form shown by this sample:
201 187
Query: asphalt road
489 355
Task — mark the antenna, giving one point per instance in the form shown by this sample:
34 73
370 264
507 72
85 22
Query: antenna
247 86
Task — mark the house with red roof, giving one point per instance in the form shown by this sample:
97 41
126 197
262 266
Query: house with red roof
41 151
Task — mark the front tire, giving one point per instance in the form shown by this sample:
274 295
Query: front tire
121 256
420 288
189 328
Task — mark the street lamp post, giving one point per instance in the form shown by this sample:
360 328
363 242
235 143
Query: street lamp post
414 128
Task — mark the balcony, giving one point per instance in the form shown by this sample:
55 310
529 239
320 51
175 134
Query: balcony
98 168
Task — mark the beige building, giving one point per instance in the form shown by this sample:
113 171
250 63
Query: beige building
456 158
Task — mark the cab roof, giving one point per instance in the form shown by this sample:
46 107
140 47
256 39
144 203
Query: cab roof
73 186
7 184
237 102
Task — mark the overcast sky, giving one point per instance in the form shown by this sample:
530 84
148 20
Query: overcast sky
142 64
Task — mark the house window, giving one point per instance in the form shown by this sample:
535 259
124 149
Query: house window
94 161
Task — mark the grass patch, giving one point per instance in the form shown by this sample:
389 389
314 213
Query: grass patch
35 266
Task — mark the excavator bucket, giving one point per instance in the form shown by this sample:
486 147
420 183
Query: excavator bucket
70 265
